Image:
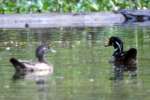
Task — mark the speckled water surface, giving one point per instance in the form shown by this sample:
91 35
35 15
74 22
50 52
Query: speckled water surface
81 68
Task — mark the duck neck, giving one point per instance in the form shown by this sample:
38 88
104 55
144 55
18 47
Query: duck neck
41 59
118 48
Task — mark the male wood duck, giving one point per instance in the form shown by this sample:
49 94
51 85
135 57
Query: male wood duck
26 66
121 57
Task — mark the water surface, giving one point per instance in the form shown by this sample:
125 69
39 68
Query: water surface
81 68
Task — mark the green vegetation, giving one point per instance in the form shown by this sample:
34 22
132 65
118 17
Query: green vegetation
34 6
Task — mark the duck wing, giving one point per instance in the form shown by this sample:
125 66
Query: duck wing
130 54
130 59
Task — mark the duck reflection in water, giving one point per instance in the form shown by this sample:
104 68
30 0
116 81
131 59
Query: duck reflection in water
40 79
122 60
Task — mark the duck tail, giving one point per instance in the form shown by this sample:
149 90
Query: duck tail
17 64
132 52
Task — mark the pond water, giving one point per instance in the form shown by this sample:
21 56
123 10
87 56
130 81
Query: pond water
81 68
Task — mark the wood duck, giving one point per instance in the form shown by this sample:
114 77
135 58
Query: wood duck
121 57
27 66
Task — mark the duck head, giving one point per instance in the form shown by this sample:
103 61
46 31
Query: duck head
40 51
117 43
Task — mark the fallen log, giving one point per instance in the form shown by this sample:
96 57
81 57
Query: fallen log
54 20
135 15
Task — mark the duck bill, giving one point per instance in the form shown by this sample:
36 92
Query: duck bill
106 44
52 50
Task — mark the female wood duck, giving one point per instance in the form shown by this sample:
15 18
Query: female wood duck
125 58
41 65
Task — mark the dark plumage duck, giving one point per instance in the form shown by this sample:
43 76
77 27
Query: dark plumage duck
121 57
41 65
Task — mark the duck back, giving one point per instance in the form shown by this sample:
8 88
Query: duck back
131 54
130 59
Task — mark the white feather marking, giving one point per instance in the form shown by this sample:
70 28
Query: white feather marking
118 45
